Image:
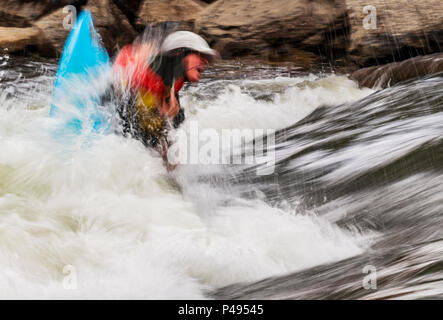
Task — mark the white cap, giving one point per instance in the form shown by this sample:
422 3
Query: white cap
187 39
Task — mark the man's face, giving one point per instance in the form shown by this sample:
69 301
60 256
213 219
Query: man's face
194 66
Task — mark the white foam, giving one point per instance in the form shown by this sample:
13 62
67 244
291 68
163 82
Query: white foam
234 108
112 211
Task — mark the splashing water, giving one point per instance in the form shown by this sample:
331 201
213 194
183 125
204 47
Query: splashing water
129 229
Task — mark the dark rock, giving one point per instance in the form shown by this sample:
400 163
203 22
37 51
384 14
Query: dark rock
155 11
15 40
129 8
278 30
52 28
404 29
10 20
307 33
33 10
112 24
392 73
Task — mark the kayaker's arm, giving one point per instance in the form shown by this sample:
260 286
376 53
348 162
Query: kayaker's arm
170 106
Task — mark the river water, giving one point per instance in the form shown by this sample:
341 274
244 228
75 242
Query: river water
355 193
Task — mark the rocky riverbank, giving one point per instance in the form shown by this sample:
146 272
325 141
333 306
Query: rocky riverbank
306 33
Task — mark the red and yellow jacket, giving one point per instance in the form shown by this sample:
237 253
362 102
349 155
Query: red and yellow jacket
150 80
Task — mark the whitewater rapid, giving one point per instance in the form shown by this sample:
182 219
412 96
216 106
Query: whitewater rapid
113 222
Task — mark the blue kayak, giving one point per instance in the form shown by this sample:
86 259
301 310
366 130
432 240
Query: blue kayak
78 90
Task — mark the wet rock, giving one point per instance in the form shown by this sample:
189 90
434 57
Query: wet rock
129 8
53 30
403 29
392 73
307 33
18 35
33 10
277 30
10 20
19 39
155 11
112 25
40 22
30 10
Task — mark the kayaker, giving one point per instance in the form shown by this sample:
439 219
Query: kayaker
149 81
